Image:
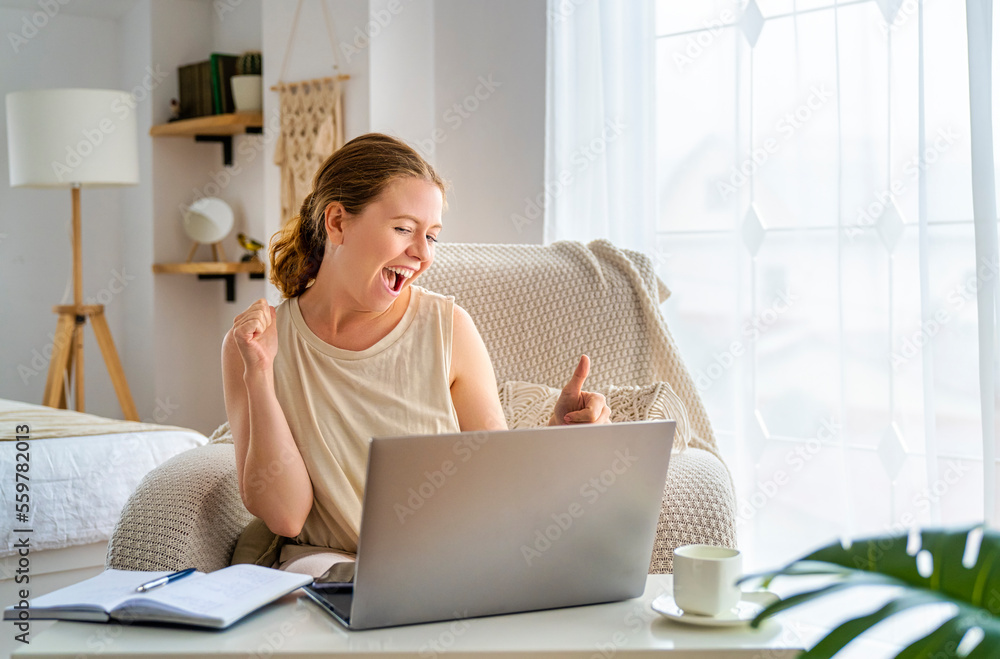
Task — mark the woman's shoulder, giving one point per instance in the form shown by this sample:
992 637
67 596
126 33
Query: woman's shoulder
432 297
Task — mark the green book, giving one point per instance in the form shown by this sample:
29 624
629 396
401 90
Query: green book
223 69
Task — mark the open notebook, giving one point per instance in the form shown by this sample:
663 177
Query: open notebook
216 599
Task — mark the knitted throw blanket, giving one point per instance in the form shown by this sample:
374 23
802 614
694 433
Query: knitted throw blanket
539 307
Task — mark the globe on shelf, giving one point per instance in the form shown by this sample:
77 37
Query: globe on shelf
206 222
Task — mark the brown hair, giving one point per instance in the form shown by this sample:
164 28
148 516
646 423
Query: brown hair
355 175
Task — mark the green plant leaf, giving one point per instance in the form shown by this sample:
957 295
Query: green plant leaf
951 629
850 630
974 590
853 579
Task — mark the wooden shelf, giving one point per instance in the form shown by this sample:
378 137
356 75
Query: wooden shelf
208 268
214 128
234 123
214 270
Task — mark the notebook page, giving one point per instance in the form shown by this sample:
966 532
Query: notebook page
105 591
228 594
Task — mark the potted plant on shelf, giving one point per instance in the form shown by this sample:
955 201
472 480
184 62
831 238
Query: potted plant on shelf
247 85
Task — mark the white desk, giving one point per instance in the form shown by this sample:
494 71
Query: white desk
296 627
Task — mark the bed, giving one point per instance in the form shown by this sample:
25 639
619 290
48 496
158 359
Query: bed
80 469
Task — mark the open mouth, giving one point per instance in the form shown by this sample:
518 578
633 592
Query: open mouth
393 279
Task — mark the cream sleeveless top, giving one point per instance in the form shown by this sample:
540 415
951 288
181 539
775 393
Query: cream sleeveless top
335 400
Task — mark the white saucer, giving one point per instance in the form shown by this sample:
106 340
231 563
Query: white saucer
752 603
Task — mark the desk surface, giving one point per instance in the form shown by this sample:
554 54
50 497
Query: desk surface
296 627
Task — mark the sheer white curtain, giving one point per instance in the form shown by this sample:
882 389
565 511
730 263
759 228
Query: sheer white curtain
826 220
599 160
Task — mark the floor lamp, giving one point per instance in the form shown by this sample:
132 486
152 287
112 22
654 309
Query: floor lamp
73 138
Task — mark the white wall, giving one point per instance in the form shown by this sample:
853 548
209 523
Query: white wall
489 70
402 70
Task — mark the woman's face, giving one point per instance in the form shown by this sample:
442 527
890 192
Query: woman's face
384 248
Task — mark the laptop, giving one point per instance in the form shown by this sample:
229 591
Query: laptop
486 523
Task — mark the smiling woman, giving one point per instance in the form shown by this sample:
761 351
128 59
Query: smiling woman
355 351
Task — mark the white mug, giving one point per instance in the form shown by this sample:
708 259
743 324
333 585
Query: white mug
705 579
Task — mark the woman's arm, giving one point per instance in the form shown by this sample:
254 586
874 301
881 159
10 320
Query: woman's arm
274 483
473 385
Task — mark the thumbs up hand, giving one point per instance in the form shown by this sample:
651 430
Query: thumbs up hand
578 406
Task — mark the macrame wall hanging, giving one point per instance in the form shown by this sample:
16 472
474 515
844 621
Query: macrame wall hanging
312 124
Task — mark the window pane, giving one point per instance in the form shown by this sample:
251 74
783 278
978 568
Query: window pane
947 156
796 314
695 120
674 16
864 124
795 121
701 314
865 281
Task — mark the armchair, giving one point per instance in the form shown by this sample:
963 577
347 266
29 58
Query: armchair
538 309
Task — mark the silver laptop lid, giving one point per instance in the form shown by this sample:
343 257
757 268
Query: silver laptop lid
483 523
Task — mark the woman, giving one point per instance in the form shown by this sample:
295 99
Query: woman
354 351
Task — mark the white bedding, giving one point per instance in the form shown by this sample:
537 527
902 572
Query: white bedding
80 484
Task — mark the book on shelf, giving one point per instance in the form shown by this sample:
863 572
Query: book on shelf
214 599
223 68
194 89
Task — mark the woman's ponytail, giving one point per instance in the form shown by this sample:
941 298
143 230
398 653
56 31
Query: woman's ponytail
296 252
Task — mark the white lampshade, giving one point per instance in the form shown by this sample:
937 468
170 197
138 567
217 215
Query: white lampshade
63 137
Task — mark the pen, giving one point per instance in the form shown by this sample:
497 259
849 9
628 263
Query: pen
155 583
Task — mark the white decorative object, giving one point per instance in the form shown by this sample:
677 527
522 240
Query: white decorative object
247 93
208 220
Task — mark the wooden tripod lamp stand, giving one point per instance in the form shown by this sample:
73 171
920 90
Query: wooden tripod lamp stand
73 138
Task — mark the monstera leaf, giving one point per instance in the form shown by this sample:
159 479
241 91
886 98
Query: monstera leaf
885 560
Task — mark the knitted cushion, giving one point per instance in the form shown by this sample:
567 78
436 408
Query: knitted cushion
699 507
